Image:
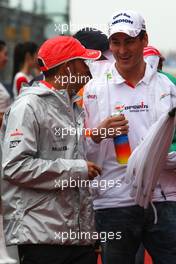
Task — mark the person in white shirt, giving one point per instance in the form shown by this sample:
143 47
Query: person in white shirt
4 95
143 95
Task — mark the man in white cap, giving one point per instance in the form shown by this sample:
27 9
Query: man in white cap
144 95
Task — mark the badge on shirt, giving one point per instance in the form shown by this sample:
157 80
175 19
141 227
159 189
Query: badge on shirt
15 138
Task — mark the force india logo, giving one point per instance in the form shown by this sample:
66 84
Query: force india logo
132 108
137 108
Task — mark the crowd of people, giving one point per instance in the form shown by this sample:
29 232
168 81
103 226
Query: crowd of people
73 96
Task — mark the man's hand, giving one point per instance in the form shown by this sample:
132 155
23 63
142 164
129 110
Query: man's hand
110 127
93 170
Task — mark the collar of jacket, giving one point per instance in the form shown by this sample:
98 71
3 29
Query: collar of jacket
74 99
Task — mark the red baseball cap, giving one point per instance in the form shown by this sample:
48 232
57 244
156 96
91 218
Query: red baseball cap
60 49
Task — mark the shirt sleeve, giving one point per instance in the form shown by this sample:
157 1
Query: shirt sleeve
92 149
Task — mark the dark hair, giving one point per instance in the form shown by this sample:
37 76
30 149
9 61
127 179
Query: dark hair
20 52
142 34
92 38
2 44
49 73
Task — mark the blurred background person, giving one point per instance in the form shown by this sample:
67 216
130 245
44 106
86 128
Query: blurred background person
4 104
24 65
93 38
4 95
154 57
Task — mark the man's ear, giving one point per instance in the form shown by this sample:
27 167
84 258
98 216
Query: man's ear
145 40
110 41
71 67
66 68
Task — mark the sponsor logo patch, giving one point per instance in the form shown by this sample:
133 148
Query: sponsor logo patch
92 96
14 143
15 133
15 138
64 148
164 95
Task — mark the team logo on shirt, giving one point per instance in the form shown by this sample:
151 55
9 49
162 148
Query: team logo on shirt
15 133
92 96
64 148
14 143
109 75
120 107
164 95
15 138
139 107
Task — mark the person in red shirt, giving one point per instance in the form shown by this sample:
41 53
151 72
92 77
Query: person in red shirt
24 64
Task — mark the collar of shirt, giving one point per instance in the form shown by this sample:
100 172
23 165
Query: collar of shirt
118 79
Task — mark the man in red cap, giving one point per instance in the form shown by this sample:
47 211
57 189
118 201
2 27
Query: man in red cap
47 205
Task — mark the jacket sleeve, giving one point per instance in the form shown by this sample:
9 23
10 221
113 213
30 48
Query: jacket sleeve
171 158
21 163
92 149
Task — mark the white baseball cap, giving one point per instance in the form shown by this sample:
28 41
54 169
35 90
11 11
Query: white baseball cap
128 22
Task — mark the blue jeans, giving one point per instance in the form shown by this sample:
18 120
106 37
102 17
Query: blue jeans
137 225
